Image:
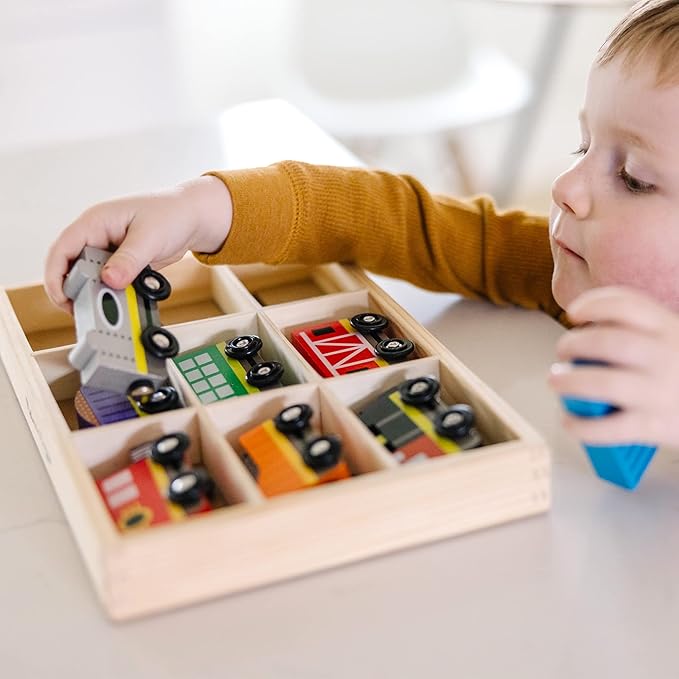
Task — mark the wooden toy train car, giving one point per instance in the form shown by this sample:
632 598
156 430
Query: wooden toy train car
158 486
283 454
350 345
120 339
412 423
225 369
95 407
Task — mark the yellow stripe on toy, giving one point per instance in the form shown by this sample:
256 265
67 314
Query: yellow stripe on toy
162 481
425 424
135 330
292 455
237 368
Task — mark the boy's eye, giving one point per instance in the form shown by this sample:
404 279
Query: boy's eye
580 151
633 184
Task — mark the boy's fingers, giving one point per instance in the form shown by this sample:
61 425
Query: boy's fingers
133 254
615 386
617 305
616 428
58 262
610 343
63 252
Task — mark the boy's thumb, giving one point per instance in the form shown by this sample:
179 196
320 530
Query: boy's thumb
122 268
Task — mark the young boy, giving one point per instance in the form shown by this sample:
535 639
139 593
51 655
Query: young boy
608 255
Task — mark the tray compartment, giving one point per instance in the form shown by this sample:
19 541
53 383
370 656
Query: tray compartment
44 325
339 354
197 292
356 391
231 419
192 336
279 284
64 381
104 453
200 292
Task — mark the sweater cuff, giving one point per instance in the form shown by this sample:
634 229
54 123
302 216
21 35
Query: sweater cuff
264 208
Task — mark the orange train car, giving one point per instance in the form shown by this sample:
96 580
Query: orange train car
283 455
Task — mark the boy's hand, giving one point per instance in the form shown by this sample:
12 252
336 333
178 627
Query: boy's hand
156 229
639 338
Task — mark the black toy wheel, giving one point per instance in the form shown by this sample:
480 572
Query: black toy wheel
455 422
293 419
369 322
169 450
141 391
322 452
188 487
152 285
420 391
161 400
394 349
243 346
264 374
159 342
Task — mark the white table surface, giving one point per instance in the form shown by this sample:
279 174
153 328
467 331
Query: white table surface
587 590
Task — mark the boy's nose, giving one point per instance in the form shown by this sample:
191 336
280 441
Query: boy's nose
571 192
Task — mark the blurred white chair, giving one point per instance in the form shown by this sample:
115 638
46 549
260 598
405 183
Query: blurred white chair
383 69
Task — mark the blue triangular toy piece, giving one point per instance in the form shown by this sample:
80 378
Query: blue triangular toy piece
622 464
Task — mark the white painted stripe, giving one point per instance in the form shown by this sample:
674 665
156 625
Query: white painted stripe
117 480
123 496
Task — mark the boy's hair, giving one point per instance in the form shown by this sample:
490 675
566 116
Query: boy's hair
651 27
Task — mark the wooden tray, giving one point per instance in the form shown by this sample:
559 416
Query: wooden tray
254 540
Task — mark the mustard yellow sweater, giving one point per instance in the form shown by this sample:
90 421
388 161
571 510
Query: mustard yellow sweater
293 212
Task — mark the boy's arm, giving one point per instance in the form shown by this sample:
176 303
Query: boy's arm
292 212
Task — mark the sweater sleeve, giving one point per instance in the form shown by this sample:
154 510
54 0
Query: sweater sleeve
389 224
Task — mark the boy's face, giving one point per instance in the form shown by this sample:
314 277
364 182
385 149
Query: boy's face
615 216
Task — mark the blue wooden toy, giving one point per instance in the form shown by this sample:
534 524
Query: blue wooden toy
621 464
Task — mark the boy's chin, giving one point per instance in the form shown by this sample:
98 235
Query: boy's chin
565 292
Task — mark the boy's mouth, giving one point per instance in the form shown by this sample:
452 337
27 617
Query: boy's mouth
567 250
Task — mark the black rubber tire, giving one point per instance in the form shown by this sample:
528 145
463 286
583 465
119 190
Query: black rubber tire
394 349
152 285
243 346
141 390
169 449
149 338
322 452
160 401
455 421
264 374
420 391
294 419
187 488
369 322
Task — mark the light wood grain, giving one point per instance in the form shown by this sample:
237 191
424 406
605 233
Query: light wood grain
252 540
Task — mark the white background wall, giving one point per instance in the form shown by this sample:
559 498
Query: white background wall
80 69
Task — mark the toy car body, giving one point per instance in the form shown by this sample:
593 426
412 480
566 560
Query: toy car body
120 338
158 486
95 407
283 455
411 422
350 345
233 368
